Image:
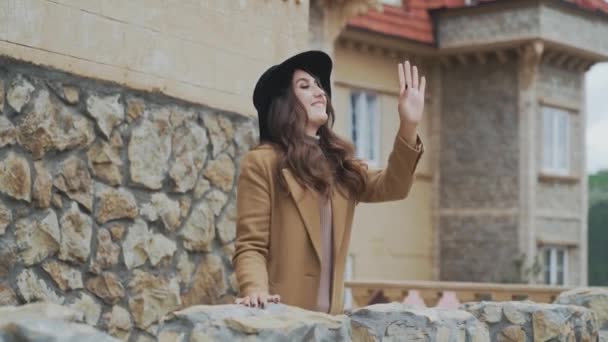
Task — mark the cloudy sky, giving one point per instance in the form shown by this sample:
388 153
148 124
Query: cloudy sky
597 118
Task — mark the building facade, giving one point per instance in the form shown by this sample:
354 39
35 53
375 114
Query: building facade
501 194
122 125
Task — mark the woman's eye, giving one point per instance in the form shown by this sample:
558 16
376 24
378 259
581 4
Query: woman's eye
304 86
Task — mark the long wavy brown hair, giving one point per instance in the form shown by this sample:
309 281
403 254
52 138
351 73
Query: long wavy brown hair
317 164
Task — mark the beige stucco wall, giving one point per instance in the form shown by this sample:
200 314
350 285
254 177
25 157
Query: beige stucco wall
209 51
212 52
392 240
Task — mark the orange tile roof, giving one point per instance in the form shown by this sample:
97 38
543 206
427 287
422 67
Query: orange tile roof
413 22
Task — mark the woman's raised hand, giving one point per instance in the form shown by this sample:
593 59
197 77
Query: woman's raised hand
258 299
411 94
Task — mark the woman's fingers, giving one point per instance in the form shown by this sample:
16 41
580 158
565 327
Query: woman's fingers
258 300
408 74
422 85
401 78
242 301
254 300
262 300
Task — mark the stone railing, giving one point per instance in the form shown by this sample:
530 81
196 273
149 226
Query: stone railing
446 294
577 315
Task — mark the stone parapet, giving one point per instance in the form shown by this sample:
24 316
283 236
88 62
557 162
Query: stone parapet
46 322
472 322
277 322
529 321
400 322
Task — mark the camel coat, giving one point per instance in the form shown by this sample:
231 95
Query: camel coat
278 247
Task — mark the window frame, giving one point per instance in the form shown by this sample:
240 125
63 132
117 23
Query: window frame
553 265
376 130
349 274
396 3
554 117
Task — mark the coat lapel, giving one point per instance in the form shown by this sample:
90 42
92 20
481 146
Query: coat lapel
307 202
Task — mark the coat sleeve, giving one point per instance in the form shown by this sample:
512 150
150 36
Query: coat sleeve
252 226
395 181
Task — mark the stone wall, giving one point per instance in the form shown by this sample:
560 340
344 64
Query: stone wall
479 168
577 315
116 203
557 85
561 206
553 21
520 22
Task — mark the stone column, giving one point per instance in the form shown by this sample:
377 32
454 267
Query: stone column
434 113
583 241
327 18
529 60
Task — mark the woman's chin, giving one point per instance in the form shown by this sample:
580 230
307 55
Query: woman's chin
319 118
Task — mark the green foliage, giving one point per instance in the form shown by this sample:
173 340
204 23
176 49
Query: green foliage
598 188
598 229
599 180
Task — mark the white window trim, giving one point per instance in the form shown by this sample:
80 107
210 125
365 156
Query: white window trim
553 168
553 264
349 274
373 163
392 2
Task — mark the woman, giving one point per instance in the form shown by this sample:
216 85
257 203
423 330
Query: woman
298 189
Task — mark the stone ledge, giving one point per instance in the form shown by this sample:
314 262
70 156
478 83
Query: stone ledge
595 299
474 322
529 321
46 322
510 23
401 322
278 322
546 177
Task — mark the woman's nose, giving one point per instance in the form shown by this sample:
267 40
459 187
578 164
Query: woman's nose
318 91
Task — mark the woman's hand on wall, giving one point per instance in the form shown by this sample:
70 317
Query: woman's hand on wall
411 100
258 299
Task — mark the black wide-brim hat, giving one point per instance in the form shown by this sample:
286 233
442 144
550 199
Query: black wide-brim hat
277 79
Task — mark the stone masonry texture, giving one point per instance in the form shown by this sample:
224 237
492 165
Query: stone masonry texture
479 166
116 203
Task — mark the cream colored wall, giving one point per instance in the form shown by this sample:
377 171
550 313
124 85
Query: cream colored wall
392 240
212 52
208 51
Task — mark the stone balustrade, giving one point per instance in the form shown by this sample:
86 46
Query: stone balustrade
446 294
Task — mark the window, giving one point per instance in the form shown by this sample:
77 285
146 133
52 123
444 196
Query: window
555 261
348 275
393 2
556 140
364 125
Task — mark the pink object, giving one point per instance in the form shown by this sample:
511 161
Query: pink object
413 298
448 300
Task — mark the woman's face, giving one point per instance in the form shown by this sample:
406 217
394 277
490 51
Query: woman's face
313 99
